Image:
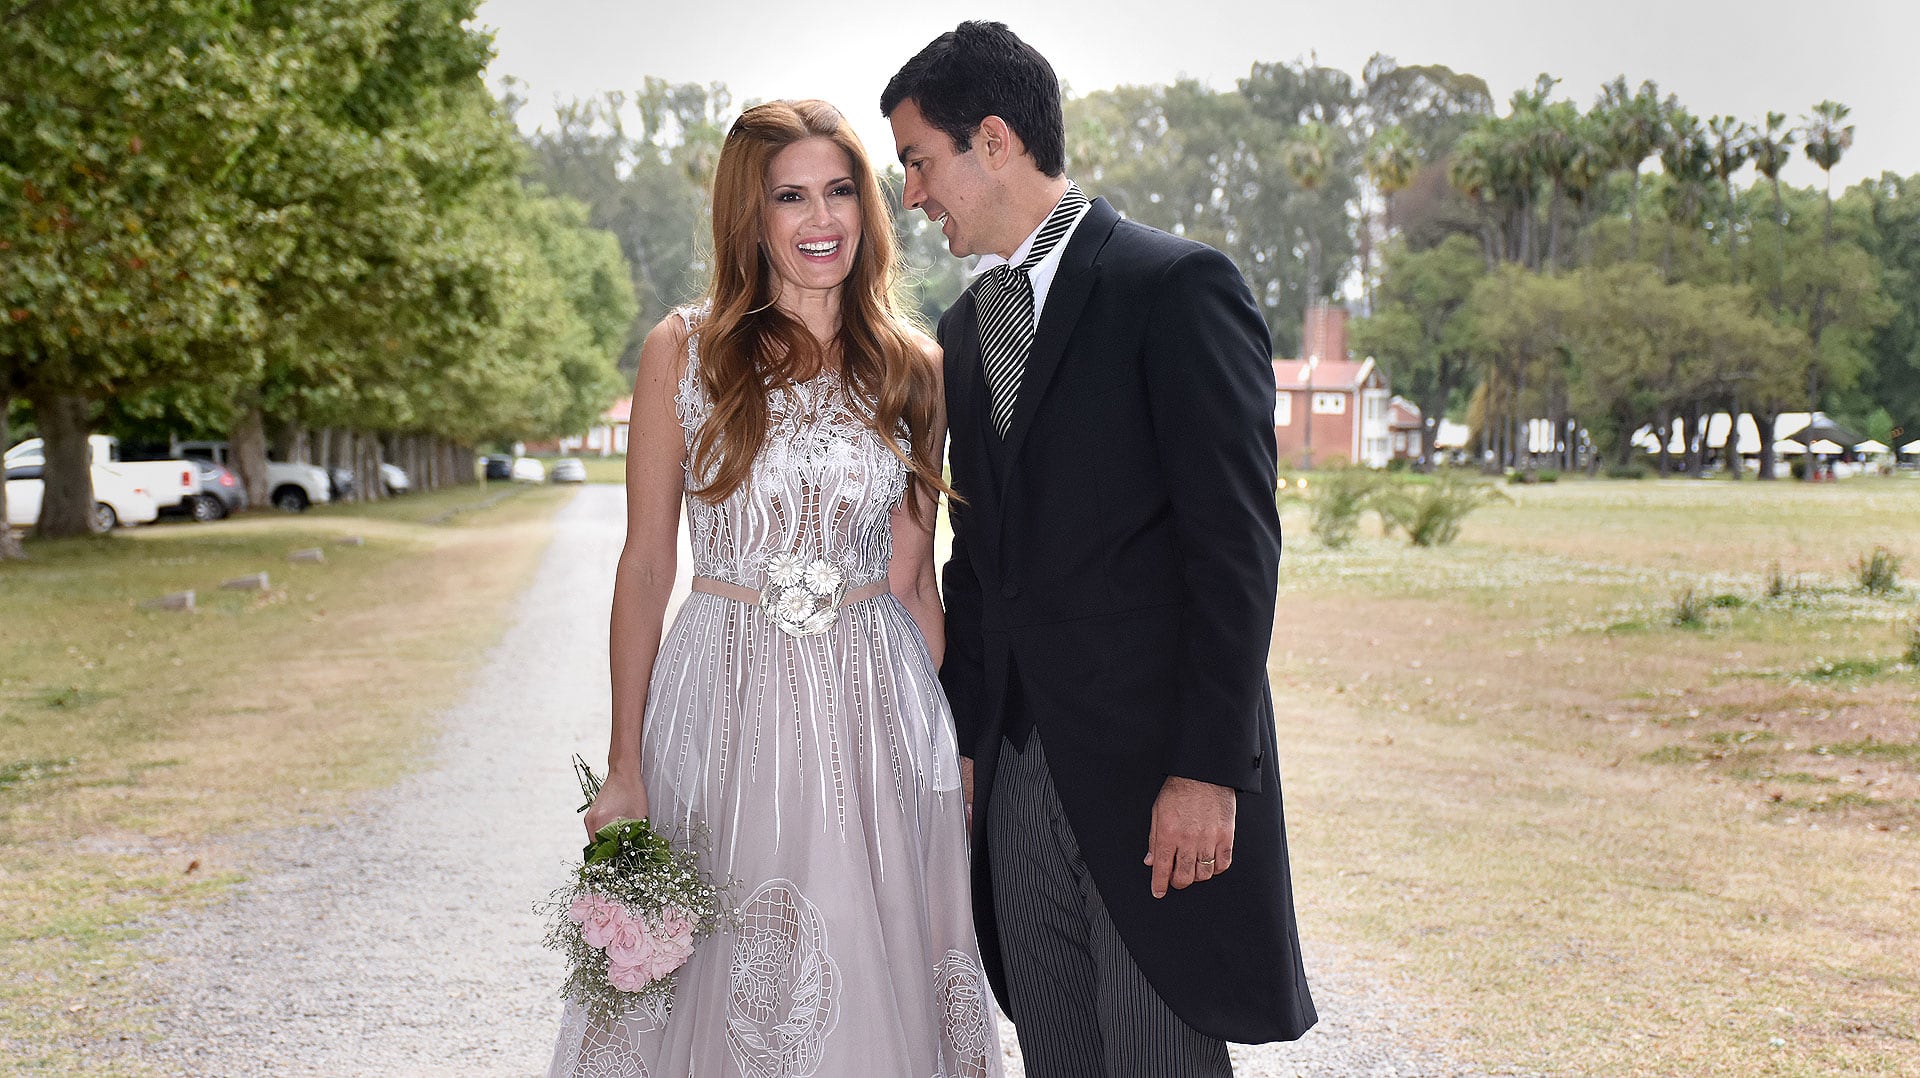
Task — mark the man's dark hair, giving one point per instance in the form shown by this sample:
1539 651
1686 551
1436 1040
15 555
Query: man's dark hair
981 69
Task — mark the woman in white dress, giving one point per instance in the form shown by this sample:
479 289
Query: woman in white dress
792 714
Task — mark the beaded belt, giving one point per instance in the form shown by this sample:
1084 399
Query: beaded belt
804 603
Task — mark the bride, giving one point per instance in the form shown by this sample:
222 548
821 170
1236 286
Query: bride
792 713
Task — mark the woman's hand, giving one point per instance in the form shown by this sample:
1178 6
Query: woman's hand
622 797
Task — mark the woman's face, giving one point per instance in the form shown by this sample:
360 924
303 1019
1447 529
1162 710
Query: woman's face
812 217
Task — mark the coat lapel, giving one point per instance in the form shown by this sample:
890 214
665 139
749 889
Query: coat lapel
1072 283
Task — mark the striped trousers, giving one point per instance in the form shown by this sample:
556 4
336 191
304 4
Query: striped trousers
1082 1008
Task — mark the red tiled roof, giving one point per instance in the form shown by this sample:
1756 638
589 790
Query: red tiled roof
620 412
1330 374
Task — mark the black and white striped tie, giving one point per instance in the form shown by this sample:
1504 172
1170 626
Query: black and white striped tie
1003 306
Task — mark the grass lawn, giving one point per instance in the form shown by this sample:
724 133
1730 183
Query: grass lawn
1598 842
136 744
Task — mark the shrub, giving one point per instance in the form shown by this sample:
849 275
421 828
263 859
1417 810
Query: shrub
1339 497
1912 657
1879 572
1776 582
1633 469
1430 513
1689 609
1398 465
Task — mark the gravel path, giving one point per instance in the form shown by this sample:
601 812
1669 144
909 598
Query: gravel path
399 940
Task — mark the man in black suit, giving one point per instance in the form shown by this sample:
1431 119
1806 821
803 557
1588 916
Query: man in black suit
1110 598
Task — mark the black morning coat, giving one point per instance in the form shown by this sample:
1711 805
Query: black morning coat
1121 561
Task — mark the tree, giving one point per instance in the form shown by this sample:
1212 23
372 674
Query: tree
125 242
1891 205
1311 158
1827 138
1419 328
1636 123
1390 164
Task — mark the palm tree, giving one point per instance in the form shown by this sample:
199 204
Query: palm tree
1688 162
1390 163
1731 145
1594 159
1471 172
1636 123
1827 138
1310 158
1772 149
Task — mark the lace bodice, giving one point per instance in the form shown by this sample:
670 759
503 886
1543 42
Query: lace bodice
822 487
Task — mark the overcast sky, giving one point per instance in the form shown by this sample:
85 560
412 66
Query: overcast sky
1742 57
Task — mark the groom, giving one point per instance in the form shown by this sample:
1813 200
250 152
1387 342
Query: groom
1111 593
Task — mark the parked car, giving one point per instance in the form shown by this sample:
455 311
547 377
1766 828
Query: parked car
174 485
496 467
222 494
395 479
290 487
118 500
568 470
528 470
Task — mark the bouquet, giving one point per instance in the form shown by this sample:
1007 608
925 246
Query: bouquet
631 916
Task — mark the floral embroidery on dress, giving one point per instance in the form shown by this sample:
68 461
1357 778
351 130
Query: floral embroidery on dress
786 986
961 992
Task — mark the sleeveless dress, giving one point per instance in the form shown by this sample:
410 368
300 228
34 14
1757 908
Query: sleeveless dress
822 771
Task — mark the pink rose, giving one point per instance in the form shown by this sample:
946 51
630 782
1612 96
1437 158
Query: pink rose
628 978
632 943
599 918
582 906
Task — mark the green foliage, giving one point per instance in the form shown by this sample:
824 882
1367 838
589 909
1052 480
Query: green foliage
1878 571
1431 513
1339 497
1689 609
1912 655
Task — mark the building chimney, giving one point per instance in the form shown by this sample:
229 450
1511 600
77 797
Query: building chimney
1325 333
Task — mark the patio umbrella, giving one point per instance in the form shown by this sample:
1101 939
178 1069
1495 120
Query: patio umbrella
1911 447
1825 446
1870 446
1788 445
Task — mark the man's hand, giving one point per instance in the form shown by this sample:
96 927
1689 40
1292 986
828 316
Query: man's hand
1191 839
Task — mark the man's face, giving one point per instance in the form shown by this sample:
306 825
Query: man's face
953 188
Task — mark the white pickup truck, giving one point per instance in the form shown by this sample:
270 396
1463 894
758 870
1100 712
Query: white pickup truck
292 487
173 484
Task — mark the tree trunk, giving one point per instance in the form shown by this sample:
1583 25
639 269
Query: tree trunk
1663 430
1736 466
1696 441
9 544
1633 214
248 443
66 506
1763 426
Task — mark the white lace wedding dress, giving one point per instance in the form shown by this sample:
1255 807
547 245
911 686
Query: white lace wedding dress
823 772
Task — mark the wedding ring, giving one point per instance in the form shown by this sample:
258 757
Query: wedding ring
1208 862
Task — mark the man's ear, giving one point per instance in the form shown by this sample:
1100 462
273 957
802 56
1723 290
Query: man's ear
997 143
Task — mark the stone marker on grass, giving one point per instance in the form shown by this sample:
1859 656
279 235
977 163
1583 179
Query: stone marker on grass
179 600
256 582
351 540
311 554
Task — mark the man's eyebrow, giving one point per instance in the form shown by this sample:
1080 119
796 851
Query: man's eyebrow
905 152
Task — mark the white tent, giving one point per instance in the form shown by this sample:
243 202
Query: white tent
1911 447
1788 445
1825 446
1870 446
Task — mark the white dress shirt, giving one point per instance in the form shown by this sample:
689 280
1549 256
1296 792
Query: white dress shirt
1041 275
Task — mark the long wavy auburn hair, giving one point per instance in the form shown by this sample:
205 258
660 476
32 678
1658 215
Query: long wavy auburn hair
750 347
